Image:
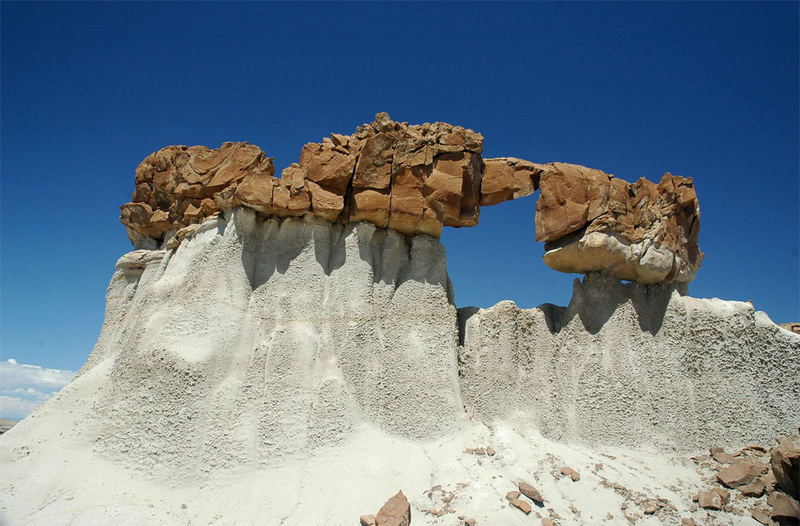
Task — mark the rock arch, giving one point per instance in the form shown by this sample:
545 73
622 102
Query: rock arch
416 179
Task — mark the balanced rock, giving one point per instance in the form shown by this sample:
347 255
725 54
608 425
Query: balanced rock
642 231
414 179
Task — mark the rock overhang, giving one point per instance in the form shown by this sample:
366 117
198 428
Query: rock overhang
416 179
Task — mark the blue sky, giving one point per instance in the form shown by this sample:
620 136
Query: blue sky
707 90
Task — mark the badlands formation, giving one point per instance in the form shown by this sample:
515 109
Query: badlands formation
288 351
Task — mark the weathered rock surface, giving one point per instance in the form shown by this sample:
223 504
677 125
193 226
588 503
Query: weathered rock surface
262 355
642 231
416 179
793 327
608 367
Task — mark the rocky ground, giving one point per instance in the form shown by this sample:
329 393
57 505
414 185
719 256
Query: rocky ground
480 475
754 481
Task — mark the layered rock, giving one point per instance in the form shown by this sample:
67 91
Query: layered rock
642 231
413 179
416 179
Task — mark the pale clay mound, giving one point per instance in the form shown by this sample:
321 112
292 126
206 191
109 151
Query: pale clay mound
220 384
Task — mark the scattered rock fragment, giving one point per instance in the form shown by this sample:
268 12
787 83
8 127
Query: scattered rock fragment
720 456
568 471
511 495
713 499
740 474
651 506
490 451
688 521
755 449
367 520
521 505
469 522
546 521
769 480
753 489
396 512
532 493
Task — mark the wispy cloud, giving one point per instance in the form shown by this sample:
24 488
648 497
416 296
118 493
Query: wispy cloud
23 387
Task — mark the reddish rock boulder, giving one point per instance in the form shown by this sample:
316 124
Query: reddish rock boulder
531 492
571 473
740 474
521 505
755 488
396 512
713 499
642 231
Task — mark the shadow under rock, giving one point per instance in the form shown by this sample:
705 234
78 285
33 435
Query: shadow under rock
597 298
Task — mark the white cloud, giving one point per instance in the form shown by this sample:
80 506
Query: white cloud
23 387
16 408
